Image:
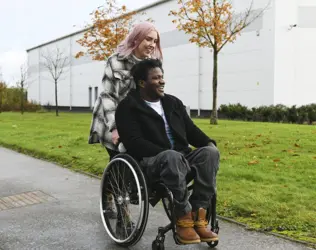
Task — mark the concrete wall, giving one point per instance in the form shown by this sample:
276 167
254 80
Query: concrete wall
305 53
285 51
86 74
295 52
33 75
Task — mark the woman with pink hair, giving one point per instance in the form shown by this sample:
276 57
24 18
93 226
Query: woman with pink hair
141 43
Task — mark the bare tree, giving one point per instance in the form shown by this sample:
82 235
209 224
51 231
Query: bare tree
22 85
1 79
55 62
3 87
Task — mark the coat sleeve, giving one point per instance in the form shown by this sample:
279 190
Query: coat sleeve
130 133
97 123
196 137
110 95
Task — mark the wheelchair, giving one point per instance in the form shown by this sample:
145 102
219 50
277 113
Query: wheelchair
124 179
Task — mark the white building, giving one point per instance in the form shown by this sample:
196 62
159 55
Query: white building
272 62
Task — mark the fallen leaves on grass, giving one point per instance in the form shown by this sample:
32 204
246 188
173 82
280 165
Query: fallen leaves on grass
276 160
296 145
253 162
267 141
292 152
289 151
252 145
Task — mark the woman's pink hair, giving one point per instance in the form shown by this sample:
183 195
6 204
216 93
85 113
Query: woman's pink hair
135 37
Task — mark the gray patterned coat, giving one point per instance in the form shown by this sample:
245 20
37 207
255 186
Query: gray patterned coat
117 82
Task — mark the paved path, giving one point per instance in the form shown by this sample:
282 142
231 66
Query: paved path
71 220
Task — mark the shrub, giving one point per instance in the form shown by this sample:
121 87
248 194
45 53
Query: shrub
11 101
279 113
235 112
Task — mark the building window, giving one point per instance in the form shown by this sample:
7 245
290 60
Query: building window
90 97
96 93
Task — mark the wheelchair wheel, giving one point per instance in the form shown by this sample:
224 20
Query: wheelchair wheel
167 206
123 178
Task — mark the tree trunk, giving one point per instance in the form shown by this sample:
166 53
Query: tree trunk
214 109
22 101
56 99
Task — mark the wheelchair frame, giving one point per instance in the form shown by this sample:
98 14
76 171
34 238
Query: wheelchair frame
147 196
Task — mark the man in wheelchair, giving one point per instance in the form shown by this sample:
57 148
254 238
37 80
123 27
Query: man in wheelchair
156 130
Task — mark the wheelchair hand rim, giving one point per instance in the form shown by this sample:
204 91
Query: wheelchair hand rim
139 200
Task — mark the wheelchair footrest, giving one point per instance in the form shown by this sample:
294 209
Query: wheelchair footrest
164 230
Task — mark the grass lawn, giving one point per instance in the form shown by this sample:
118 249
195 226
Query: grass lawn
267 176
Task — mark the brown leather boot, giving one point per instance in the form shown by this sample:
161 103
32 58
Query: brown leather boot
201 226
185 231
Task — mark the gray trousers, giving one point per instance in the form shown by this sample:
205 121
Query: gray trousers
173 168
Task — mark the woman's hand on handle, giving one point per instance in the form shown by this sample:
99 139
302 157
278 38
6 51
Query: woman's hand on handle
115 136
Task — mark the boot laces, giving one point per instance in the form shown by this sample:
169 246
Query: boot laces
201 223
185 223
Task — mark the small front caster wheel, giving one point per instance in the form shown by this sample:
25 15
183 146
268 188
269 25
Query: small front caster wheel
158 245
213 244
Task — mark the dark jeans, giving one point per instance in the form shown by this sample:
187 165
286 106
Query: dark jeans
172 168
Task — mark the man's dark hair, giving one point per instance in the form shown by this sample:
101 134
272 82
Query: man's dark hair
141 69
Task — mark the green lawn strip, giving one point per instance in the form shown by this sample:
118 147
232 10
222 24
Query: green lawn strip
60 139
267 176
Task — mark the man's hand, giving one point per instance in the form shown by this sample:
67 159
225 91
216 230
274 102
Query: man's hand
115 136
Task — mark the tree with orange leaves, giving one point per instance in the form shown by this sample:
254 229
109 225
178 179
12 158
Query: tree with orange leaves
212 24
110 25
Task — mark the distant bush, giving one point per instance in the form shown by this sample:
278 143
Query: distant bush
11 101
279 113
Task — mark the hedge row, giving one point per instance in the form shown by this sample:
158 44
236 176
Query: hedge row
11 100
28 107
279 113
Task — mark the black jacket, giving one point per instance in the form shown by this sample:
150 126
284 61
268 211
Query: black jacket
142 130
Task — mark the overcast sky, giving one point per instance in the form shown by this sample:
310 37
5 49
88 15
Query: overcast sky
27 23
